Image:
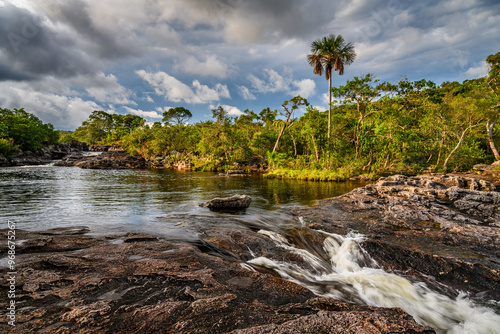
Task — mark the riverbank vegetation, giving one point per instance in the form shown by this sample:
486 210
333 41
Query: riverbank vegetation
376 128
22 131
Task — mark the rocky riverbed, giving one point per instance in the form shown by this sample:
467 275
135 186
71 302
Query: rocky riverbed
438 229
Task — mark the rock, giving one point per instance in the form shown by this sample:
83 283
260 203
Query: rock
4 162
28 158
107 160
361 178
232 172
233 202
183 165
443 226
167 287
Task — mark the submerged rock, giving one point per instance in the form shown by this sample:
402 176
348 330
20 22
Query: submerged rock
233 202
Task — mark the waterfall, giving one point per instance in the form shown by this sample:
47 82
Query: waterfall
348 273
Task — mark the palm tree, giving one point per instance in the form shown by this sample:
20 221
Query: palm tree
327 54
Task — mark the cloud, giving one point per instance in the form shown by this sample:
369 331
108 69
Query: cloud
274 82
245 93
305 88
211 66
175 91
103 88
64 112
231 110
142 113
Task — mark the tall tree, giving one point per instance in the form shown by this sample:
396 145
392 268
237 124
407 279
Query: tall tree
289 114
327 54
180 114
493 81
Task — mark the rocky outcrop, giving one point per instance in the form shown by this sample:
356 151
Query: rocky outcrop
183 165
68 282
45 155
104 148
233 172
235 202
442 227
106 160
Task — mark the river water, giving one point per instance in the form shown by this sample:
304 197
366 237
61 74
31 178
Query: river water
108 201
166 203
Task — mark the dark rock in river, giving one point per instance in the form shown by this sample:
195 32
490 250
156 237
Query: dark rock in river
156 286
107 160
233 202
43 156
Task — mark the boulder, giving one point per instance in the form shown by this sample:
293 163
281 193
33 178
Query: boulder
4 162
234 202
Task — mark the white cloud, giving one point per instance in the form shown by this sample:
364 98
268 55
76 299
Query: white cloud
174 90
478 71
231 110
245 93
142 113
104 88
64 112
211 66
274 82
305 88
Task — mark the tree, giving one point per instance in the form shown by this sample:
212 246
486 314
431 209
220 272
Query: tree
360 92
327 54
289 114
493 81
180 114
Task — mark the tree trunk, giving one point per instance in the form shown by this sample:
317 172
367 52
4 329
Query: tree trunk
279 137
329 104
294 146
456 148
315 147
489 129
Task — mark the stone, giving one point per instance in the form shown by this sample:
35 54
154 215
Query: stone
233 202
106 160
168 287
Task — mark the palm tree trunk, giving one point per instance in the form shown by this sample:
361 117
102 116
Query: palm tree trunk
329 104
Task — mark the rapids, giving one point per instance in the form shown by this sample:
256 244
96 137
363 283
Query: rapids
345 271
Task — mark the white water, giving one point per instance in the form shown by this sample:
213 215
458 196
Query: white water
352 275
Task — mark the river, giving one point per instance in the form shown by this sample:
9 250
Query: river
147 201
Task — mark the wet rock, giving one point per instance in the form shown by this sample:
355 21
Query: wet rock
28 158
233 202
442 226
166 287
106 160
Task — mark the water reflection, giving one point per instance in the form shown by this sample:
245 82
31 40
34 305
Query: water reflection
137 200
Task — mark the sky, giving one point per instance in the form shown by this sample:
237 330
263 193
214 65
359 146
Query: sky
63 59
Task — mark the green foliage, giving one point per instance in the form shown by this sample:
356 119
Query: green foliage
376 128
104 128
179 114
24 131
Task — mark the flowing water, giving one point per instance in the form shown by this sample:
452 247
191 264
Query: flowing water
344 271
165 203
